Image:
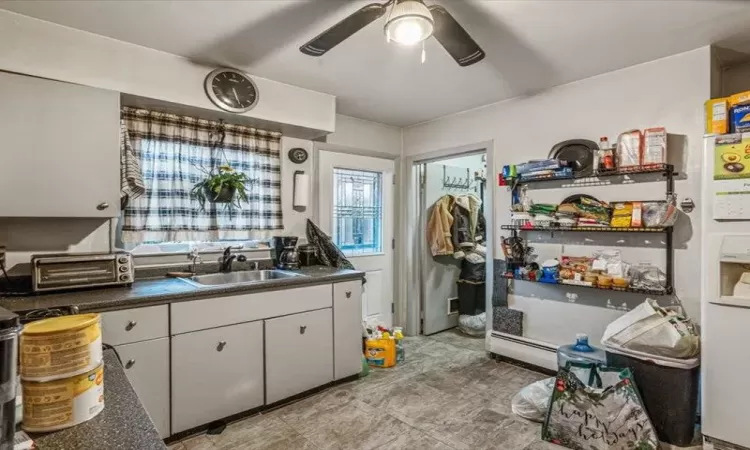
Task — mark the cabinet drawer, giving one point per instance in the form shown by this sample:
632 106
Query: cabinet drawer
216 373
299 353
347 329
147 368
134 325
217 312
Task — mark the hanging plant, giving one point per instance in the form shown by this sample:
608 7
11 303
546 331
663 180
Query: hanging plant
226 186
222 184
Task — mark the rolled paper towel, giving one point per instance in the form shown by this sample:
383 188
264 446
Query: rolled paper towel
301 189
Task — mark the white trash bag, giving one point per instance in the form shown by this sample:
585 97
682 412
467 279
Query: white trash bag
651 329
532 402
473 325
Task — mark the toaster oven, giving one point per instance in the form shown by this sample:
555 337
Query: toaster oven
55 272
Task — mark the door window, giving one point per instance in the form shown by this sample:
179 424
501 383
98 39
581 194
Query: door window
357 211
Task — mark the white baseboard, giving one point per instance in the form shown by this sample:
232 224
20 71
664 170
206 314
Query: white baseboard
523 349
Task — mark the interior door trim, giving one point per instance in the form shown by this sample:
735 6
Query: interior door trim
407 263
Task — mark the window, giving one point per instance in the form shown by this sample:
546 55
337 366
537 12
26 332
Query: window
173 153
357 211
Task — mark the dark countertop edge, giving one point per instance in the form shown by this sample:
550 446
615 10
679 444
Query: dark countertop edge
208 292
122 424
127 299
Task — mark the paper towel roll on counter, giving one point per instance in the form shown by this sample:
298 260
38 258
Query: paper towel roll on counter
301 189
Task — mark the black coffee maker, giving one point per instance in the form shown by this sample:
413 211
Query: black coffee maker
285 252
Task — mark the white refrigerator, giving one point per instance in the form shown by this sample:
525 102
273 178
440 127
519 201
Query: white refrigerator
725 291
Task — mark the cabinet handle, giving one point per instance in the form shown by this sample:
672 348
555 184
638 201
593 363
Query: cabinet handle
302 329
130 363
221 346
348 294
102 206
131 325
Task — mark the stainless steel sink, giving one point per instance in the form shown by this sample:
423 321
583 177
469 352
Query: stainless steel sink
251 276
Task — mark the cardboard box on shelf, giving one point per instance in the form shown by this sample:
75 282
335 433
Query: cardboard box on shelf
739 98
717 115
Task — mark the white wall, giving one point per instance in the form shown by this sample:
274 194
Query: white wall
365 135
35 47
667 92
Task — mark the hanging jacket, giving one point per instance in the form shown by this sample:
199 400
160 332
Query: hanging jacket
439 227
468 228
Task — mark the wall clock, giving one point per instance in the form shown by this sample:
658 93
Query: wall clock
231 90
298 155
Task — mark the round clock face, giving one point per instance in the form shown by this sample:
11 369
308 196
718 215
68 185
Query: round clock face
231 90
298 155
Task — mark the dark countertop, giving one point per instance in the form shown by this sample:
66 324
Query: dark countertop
160 291
122 424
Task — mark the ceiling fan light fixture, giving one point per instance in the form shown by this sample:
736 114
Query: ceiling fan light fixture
409 23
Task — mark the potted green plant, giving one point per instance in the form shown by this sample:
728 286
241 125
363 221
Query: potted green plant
225 186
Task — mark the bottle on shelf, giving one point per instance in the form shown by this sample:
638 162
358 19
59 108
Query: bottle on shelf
606 157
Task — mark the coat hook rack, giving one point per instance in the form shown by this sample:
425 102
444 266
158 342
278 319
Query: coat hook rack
456 182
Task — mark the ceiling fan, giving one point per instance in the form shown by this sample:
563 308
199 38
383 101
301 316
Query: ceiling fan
409 22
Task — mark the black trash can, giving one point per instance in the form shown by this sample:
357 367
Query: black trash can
471 297
669 389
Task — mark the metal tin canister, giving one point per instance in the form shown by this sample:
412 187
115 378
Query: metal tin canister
60 347
58 404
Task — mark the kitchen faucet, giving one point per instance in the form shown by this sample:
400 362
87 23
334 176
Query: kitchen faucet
225 262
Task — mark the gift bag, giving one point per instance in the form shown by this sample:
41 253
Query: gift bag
597 407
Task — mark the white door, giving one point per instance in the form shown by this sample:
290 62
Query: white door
356 209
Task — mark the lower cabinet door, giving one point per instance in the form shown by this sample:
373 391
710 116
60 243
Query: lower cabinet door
147 368
216 373
299 353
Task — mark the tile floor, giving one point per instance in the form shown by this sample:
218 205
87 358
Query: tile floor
447 395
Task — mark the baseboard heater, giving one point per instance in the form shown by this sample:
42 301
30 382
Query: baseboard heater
529 351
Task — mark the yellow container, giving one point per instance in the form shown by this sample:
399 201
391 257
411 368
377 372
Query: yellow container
54 405
60 347
739 98
717 116
380 352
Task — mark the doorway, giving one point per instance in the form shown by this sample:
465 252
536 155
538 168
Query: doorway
356 208
453 268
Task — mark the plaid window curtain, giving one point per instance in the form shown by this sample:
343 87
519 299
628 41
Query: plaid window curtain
174 153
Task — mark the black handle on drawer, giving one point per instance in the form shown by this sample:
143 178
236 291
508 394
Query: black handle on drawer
302 329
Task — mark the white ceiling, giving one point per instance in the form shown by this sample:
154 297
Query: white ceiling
530 45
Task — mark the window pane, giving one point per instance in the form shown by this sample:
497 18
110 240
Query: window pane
357 211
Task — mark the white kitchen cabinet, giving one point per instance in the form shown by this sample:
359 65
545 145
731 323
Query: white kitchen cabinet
347 328
146 365
216 373
60 151
299 353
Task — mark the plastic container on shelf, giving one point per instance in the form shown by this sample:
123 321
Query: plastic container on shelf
580 352
669 390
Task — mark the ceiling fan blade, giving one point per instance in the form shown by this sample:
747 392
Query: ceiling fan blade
343 30
454 38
